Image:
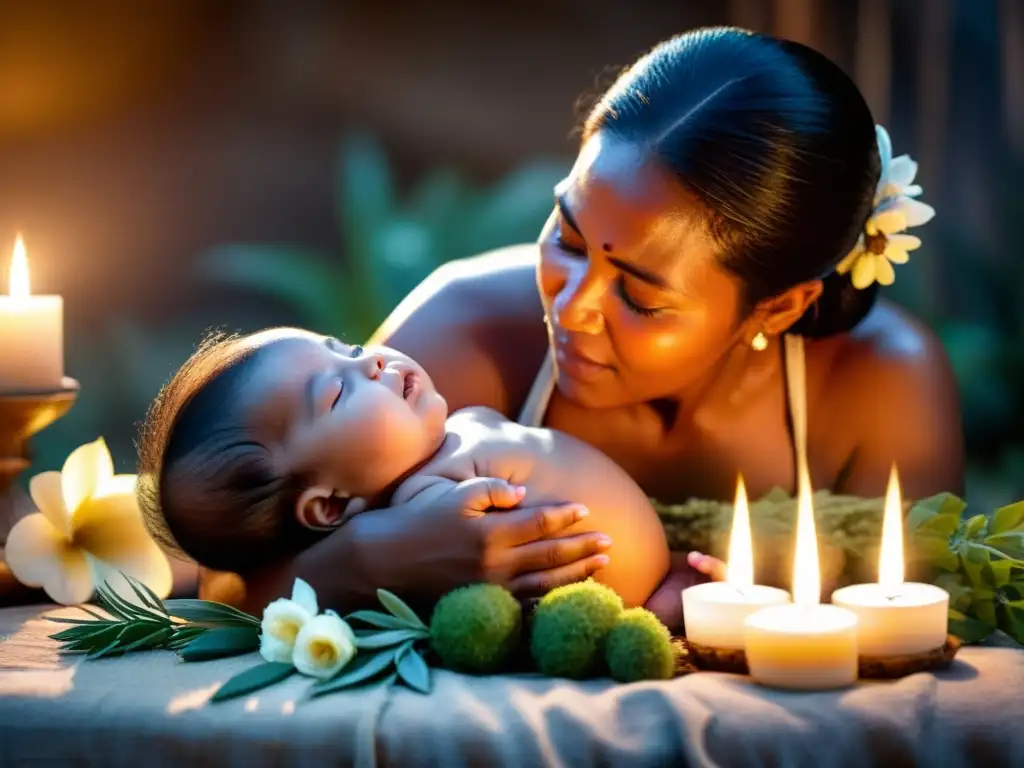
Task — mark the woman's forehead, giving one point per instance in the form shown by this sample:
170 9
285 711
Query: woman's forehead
625 203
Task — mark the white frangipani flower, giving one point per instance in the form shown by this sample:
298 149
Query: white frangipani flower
325 645
282 621
87 531
882 243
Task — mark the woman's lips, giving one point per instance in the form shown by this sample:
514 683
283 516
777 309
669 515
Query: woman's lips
578 366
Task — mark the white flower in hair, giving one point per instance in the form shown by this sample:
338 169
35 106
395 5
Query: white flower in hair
882 243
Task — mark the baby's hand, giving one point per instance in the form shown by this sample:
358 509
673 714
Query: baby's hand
708 565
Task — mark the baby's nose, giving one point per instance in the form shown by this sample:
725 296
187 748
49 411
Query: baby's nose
374 364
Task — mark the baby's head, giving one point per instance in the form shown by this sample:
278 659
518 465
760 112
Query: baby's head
260 444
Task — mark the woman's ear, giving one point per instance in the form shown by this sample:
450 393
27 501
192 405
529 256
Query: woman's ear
320 509
779 313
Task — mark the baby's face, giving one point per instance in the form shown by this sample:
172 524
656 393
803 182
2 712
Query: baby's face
354 419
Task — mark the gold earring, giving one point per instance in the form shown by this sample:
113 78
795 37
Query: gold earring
759 343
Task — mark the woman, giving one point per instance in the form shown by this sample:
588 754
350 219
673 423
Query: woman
721 190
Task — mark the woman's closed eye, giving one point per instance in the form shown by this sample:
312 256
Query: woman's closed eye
357 351
633 304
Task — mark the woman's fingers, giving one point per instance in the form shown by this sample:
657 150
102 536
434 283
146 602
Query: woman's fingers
554 553
541 582
529 524
708 565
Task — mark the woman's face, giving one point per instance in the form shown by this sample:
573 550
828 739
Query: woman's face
637 305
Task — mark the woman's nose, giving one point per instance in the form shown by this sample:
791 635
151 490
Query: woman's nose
578 306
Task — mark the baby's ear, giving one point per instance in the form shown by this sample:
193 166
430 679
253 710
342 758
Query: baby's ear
320 509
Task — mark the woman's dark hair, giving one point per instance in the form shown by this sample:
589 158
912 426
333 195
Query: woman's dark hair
207 484
777 144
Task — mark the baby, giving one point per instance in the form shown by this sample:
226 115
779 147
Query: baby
260 445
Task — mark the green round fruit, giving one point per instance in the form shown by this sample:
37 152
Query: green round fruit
570 626
639 647
474 629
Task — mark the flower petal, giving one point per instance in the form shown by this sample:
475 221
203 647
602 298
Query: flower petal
304 595
849 260
272 649
902 171
917 213
912 190
324 645
884 150
889 221
896 255
884 273
46 491
904 242
85 471
39 556
864 272
110 528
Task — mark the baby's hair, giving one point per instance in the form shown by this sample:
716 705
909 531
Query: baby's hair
208 487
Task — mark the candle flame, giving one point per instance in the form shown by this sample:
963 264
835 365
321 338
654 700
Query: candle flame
806 569
890 555
740 569
18 284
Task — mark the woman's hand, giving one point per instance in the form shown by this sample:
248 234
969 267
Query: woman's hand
473 532
686 570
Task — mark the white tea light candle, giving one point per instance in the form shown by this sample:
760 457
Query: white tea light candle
714 613
31 333
804 646
895 618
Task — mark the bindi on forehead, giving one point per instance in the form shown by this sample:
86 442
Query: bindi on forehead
607 247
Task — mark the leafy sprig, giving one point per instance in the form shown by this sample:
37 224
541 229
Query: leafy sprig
196 629
978 559
386 653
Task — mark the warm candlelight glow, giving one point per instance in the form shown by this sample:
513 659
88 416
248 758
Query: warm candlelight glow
740 569
18 284
890 555
806 574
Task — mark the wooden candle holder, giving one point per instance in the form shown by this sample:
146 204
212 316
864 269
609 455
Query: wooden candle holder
890 668
22 415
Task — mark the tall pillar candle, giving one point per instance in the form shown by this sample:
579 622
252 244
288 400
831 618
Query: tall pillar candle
31 333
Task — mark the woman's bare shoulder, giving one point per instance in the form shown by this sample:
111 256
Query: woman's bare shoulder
476 326
890 386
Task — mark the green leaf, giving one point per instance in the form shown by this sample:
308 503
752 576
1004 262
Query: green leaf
937 552
399 609
996 573
1007 519
361 669
983 605
378 619
941 504
95 640
253 679
209 611
1012 619
146 596
185 634
1010 544
131 611
388 638
959 593
968 629
221 642
940 526
975 526
152 641
1014 590
412 669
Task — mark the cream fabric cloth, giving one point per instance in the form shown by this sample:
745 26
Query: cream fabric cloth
151 710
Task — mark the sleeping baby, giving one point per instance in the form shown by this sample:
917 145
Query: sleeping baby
261 445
